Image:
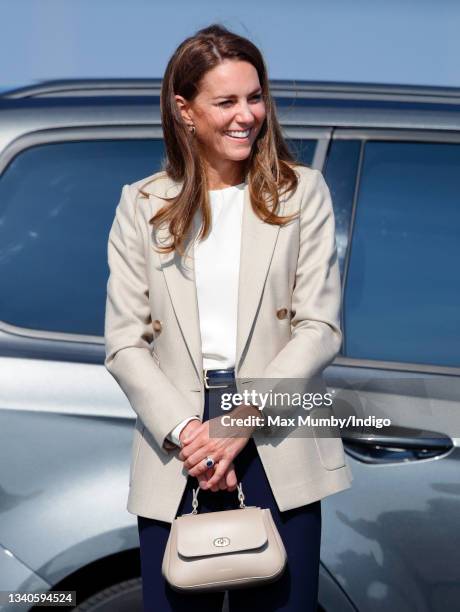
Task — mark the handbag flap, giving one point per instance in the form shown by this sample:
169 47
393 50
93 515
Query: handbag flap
217 533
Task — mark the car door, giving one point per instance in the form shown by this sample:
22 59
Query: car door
392 540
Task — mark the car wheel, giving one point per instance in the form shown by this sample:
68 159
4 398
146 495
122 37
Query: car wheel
122 597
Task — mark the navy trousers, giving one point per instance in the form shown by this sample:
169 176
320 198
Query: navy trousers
300 530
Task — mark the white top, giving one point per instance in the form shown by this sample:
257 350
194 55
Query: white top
217 265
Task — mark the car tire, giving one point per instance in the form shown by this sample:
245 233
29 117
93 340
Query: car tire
125 596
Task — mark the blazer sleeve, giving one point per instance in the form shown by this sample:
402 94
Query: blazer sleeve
128 332
316 335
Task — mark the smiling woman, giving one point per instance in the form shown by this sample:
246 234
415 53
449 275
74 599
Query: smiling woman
225 263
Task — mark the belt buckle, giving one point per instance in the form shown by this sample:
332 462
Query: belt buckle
207 385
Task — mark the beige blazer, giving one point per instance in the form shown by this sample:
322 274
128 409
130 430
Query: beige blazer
288 327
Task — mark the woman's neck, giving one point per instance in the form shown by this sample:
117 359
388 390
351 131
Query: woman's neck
220 178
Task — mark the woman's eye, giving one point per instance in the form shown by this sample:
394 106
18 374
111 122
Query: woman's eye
257 98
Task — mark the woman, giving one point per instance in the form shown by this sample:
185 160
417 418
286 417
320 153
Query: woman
223 270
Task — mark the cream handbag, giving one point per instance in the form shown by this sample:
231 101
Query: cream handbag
223 550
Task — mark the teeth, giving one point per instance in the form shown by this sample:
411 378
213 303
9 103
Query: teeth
239 133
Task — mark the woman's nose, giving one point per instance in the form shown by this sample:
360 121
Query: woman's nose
244 114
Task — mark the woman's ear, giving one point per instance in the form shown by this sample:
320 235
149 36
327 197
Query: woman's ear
184 109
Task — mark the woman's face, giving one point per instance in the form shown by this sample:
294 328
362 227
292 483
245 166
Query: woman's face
228 113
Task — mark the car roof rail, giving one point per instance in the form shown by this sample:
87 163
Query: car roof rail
291 88
70 88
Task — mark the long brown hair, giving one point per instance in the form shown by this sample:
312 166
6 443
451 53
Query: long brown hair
268 167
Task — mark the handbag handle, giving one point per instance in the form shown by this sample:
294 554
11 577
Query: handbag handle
197 490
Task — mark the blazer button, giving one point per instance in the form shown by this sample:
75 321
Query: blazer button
282 313
157 326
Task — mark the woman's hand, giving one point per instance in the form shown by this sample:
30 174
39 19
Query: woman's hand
198 445
227 482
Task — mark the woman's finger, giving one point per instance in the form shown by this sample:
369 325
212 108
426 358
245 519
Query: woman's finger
219 471
215 488
227 478
231 479
204 477
196 463
198 469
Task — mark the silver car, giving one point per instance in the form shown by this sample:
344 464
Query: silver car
391 157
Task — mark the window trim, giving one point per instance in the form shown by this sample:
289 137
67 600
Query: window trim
74 134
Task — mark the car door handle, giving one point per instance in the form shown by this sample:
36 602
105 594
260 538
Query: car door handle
396 448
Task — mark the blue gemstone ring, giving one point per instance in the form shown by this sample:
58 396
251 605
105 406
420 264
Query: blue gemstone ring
209 461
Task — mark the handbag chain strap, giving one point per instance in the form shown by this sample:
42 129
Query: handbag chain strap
197 490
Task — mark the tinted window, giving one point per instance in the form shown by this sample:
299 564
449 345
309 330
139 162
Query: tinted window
57 203
402 293
302 150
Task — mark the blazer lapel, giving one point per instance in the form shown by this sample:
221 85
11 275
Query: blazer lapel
258 241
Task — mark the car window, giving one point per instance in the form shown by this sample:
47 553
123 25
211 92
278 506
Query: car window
303 150
340 175
402 292
57 203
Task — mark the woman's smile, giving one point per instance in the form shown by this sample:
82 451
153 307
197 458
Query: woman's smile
238 135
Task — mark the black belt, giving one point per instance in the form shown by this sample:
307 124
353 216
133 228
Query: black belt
218 379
